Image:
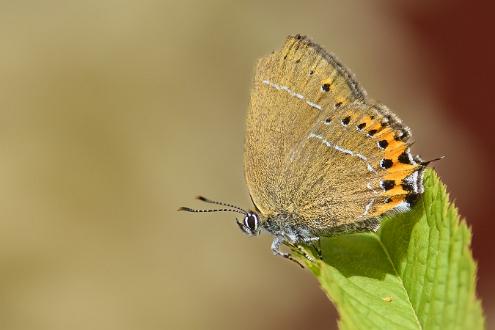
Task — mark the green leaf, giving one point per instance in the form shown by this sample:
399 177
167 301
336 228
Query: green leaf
416 272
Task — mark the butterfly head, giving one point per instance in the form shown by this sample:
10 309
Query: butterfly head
250 225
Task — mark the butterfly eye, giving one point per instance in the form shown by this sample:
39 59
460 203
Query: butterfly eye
251 221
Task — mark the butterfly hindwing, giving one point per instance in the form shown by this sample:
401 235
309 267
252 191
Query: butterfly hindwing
342 174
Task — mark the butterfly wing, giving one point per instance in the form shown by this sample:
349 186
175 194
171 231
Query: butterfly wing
298 158
280 115
353 166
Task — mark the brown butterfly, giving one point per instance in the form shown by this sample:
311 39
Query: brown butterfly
320 157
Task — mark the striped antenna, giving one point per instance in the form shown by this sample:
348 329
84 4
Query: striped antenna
206 200
187 209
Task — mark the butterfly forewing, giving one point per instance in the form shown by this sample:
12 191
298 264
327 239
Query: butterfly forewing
286 100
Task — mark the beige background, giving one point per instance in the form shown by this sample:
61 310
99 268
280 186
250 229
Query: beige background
115 113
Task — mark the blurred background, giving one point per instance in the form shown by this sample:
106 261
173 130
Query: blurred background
115 113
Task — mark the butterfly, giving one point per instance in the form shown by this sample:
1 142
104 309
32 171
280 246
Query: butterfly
320 157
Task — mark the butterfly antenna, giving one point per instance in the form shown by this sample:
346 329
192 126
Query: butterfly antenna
206 200
188 209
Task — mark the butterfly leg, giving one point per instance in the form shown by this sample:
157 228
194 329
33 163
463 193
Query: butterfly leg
313 242
277 242
318 250
316 244
304 253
